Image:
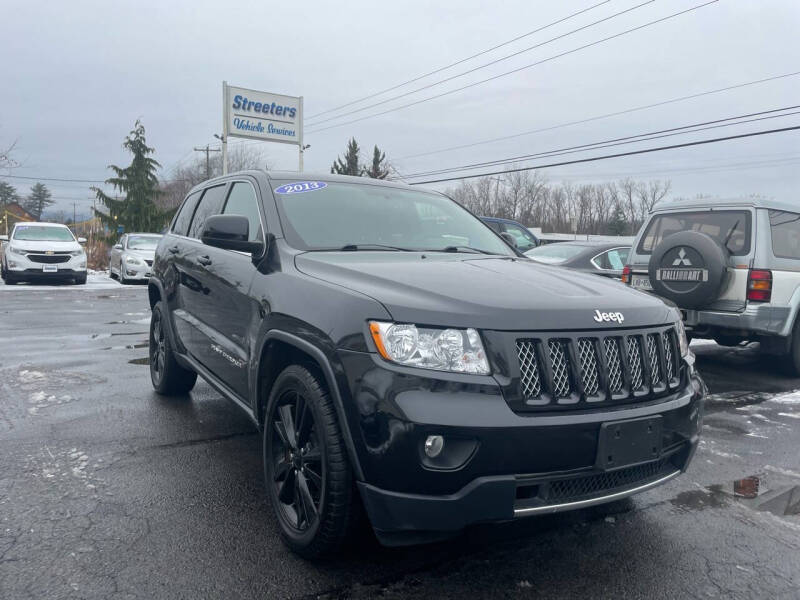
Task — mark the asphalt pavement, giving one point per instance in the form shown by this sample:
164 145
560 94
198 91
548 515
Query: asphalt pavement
108 490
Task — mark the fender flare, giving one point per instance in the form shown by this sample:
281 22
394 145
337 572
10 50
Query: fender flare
330 379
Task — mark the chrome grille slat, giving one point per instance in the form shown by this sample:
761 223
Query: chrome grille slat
530 380
587 357
607 366
614 364
635 362
668 358
652 359
558 359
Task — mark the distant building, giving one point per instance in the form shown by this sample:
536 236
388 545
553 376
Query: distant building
13 213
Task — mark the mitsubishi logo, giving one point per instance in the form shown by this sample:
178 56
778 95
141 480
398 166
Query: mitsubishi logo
682 260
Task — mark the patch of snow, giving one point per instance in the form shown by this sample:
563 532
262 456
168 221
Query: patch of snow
702 342
790 415
782 471
26 376
789 398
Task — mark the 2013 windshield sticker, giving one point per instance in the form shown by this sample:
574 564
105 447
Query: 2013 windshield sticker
300 186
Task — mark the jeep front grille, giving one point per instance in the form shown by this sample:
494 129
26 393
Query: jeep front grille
610 366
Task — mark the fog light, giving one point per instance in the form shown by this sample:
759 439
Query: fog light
434 445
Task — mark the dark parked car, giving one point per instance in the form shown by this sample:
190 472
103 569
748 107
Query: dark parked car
402 361
521 235
599 258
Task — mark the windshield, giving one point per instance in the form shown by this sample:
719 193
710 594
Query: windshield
40 233
725 226
329 216
142 242
554 254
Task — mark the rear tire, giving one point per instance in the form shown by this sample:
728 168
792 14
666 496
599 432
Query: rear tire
307 472
167 376
791 360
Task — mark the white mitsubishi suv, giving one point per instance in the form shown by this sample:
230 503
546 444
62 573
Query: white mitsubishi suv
732 266
42 251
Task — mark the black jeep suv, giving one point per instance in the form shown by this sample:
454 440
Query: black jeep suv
404 362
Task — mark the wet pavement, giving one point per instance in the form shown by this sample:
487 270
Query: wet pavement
110 491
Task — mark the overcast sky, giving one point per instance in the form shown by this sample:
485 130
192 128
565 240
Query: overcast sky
76 75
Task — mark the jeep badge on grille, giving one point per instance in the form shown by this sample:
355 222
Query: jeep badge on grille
601 317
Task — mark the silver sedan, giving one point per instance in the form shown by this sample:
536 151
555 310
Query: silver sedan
132 257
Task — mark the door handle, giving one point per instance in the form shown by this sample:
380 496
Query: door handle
173 249
204 260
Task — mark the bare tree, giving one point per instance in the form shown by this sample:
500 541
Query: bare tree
241 157
525 196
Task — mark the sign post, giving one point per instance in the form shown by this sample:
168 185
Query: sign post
262 116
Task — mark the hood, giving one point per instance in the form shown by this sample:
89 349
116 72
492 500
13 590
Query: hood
465 290
32 246
145 254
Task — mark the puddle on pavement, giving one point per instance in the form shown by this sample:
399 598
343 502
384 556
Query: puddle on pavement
140 361
755 492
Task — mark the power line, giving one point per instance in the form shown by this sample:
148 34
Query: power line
650 135
458 62
522 68
478 68
603 116
617 155
73 180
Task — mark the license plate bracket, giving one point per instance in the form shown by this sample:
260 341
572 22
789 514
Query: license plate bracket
629 442
50 268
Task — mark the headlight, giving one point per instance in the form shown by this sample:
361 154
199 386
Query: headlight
78 252
132 260
457 350
683 342
17 251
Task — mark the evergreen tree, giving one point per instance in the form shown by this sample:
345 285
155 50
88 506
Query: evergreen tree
135 208
351 163
8 193
379 168
618 224
39 199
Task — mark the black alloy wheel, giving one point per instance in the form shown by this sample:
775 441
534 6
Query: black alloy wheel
158 347
298 468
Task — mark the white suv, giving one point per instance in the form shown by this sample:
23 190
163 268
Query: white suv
731 266
42 251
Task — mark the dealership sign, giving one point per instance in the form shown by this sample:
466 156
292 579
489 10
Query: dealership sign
262 115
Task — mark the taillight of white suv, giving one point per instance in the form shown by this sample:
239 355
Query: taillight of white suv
759 285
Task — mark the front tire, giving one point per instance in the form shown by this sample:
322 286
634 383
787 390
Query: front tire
168 377
308 475
80 279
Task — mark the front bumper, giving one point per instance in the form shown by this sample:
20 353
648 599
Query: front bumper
497 464
21 265
137 271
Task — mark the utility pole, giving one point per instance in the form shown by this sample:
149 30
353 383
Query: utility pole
208 150
74 213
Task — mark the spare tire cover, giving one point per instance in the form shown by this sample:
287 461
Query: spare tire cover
689 268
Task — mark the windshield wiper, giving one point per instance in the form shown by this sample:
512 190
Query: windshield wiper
465 249
730 233
356 247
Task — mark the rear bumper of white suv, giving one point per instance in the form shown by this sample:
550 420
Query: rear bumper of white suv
758 318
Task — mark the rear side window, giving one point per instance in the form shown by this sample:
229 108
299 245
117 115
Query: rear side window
210 204
181 224
242 200
731 226
613 260
785 228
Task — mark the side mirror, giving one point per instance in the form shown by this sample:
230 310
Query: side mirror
81 240
509 239
117 246
229 232
3 238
